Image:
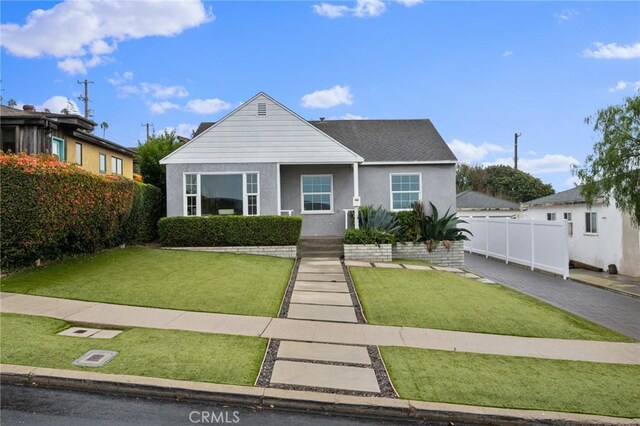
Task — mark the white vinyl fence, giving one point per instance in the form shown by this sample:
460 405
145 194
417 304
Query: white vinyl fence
540 244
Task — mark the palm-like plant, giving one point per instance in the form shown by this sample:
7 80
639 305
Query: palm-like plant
435 229
378 219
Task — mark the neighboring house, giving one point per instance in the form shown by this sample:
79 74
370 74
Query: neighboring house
472 203
64 135
263 159
599 236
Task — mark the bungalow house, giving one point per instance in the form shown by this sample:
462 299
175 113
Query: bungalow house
264 159
67 136
472 203
599 236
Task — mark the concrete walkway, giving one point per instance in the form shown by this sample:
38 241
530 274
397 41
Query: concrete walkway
629 286
612 310
319 332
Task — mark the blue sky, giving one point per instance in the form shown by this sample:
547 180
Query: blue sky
479 70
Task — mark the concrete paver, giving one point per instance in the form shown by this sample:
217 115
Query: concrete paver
360 263
338 278
448 269
418 267
321 298
309 269
321 286
322 312
325 376
324 352
387 265
105 334
79 332
320 262
612 310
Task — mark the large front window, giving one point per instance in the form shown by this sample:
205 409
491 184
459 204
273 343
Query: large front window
317 194
405 190
221 194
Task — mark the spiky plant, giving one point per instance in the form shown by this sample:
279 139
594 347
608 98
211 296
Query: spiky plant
378 219
436 229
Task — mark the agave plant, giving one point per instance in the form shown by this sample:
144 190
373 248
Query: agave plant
378 219
445 228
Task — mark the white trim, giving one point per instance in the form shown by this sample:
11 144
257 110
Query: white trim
417 163
391 191
302 210
245 198
356 193
279 190
243 105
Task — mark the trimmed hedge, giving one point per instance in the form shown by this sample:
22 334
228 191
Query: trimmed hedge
222 231
368 236
49 209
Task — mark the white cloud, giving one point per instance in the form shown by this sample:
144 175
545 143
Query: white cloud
571 182
182 129
97 27
118 79
361 9
470 153
72 66
565 15
349 116
330 10
328 98
549 163
161 107
56 104
612 51
144 89
207 106
622 85
507 53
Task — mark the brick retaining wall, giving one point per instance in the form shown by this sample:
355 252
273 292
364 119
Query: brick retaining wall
371 252
439 256
276 251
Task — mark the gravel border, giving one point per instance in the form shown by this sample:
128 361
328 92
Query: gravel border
286 299
352 292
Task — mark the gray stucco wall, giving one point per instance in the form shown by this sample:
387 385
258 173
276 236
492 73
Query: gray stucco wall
266 177
438 185
318 224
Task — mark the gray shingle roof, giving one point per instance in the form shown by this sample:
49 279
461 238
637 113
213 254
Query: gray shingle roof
570 196
384 140
480 201
389 140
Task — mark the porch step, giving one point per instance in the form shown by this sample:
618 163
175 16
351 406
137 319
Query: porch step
320 247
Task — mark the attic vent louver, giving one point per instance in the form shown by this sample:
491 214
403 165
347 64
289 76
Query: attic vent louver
262 108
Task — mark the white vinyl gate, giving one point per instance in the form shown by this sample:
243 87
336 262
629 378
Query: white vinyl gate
539 244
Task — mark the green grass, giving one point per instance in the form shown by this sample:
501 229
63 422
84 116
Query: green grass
446 301
514 382
192 281
181 355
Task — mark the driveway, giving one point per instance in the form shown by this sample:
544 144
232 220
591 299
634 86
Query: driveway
612 310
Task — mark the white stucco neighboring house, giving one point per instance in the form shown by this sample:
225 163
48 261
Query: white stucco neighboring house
264 159
599 235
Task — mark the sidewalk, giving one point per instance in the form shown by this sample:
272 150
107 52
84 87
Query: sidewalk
318 331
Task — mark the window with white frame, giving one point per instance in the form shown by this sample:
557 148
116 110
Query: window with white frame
567 216
591 223
406 189
317 193
116 165
551 216
79 154
213 194
102 162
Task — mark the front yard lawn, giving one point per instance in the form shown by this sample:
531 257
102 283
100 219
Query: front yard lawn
180 355
514 382
446 301
191 281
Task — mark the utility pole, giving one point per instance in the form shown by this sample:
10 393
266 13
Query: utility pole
85 98
147 125
515 149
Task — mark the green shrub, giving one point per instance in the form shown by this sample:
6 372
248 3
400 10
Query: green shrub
368 236
378 219
221 231
49 209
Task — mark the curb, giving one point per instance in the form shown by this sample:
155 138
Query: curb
604 287
292 400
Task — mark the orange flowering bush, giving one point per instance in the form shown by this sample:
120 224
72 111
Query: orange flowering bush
49 208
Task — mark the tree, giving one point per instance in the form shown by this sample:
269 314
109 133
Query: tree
104 126
501 181
11 103
151 152
613 170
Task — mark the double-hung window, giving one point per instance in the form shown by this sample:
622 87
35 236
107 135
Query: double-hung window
406 189
591 223
317 193
102 160
209 194
79 154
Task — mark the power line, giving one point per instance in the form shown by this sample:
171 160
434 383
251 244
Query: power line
515 149
147 125
85 98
